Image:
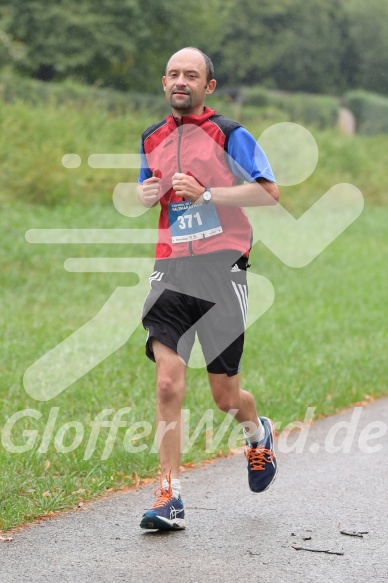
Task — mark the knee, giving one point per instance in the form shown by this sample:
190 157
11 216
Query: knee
226 403
168 390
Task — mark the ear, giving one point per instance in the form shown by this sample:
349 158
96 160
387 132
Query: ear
164 83
211 86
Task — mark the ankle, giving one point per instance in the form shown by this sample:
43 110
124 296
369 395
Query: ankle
257 435
175 486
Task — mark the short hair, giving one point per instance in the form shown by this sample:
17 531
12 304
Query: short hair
208 62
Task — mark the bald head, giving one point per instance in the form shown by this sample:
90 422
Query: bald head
192 51
188 80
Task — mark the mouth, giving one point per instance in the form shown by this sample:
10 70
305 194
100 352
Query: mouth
180 93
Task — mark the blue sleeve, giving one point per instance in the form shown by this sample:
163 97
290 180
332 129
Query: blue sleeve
145 172
246 158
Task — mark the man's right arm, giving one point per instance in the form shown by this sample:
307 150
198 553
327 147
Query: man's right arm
148 192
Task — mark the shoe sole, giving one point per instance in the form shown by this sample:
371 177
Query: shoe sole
159 523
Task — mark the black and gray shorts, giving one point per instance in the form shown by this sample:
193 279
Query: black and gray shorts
205 295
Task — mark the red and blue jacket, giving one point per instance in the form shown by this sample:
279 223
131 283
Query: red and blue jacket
215 150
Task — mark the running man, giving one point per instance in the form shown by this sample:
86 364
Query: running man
202 169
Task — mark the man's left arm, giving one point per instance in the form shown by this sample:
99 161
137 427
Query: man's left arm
261 192
248 162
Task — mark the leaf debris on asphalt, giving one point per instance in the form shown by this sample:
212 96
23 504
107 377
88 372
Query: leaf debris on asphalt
327 551
356 533
200 508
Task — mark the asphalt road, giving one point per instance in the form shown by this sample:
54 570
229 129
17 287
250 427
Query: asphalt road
233 535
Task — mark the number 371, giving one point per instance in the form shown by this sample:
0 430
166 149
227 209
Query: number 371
186 220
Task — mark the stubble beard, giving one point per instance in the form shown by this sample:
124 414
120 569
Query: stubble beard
182 104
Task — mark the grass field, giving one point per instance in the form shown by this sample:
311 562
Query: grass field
322 344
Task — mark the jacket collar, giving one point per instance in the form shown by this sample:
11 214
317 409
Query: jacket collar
191 119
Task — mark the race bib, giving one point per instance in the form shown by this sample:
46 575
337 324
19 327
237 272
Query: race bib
190 221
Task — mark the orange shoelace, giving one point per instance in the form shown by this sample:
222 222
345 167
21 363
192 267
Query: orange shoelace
163 495
258 457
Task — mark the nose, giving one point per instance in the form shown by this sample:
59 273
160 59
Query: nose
180 80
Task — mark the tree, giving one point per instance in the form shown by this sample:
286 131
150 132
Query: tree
10 51
368 31
72 37
290 45
122 43
325 46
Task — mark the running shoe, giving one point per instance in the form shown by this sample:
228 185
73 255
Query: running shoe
167 513
262 464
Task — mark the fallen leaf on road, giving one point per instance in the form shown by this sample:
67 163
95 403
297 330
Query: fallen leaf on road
6 539
358 534
327 551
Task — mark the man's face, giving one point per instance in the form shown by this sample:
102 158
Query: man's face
185 82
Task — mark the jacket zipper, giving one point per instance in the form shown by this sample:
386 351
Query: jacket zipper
180 133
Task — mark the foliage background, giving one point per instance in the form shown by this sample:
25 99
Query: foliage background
320 46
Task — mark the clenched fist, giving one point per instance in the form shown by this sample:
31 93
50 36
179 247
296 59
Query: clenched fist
151 193
187 187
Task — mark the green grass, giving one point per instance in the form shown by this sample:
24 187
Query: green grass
33 140
322 344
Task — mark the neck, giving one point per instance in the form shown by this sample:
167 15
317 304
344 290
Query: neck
192 111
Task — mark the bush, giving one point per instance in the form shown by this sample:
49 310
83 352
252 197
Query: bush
370 111
30 91
33 140
255 96
320 111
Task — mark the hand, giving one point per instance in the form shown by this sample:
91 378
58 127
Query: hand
151 188
187 187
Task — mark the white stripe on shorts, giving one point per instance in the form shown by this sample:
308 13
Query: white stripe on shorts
156 276
242 296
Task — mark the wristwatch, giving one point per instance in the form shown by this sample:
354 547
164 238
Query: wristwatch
207 196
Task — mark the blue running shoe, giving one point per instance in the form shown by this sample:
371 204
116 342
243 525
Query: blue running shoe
167 513
262 464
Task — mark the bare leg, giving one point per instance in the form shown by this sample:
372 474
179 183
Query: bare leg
171 383
228 395
262 464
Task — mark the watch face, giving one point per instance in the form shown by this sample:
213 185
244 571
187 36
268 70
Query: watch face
207 196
